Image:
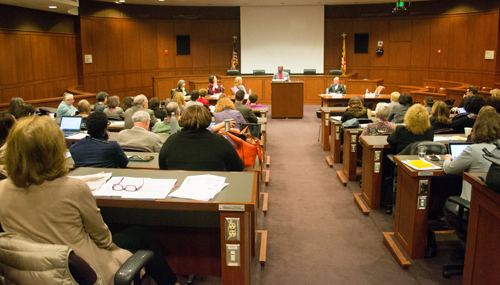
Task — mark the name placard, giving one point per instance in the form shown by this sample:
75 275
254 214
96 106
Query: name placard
232 208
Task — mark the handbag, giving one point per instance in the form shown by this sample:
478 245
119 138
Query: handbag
247 146
493 175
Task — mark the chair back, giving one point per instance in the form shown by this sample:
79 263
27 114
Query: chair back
379 90
259 72
431 89
450 103
335 71
287 71
364 121
21 258
309 71
134 148
233 72
442 90
255 129
432 148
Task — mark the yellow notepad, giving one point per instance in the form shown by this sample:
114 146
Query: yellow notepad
420 164
459 138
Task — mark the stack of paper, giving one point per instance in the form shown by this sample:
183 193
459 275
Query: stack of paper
421 165
150 189
77 136
95 181
200 187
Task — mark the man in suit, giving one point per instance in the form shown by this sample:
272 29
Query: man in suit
336 87
281 74
247 112
140 104
139 135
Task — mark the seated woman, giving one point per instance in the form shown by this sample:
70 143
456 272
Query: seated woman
69 215
485 132
355 109
472 105
154 104
417 128
181 87
95 150
495 92
127 103
214 87
179 99
398 112
383 126
83 109
25 110
493 102
440 116
428 103
113 110
252 98
238 85
7 120
196 148
15 105
225 110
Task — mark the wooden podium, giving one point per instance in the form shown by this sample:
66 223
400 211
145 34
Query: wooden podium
287 99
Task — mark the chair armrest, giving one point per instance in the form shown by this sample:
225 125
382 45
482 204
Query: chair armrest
132 267
461 202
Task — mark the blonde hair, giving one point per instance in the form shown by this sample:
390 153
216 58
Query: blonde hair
495 92
179 99
356 106
440 112
237 80
35 151
417 119
224 103
395 96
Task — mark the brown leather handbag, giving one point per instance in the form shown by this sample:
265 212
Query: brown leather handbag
247 146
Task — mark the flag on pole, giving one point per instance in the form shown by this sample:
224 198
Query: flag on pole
343 63
234 59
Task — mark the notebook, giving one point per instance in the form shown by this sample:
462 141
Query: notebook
456 149
70 125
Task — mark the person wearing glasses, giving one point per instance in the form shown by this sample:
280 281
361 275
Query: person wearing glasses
44 204
66 107
95 150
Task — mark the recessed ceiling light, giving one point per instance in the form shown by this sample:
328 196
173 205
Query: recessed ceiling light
122 1
161 0
53 7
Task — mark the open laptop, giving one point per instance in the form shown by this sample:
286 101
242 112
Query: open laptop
456 149
70 125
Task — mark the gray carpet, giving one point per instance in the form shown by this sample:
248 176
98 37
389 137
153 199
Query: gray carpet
316 234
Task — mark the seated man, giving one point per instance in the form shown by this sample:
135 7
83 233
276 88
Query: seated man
194 99
140 104
102 99
471 91
164 127
139 134
247 112
95 150
66 107
336 87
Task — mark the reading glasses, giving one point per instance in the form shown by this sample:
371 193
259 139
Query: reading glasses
130 188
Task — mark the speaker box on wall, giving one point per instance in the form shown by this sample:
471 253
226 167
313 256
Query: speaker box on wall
183 45
360 43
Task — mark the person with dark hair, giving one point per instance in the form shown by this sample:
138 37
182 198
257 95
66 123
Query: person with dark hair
282 75
214 87
102 99
113 110
472 106
194 99
15 105
154 104
398 112
247 112
428 102
471 91
252 101
355 109
196 148
127 103
95 150
493 102
203 98
25 110
7 120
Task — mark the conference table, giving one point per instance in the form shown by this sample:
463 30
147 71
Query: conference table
202 238
330 100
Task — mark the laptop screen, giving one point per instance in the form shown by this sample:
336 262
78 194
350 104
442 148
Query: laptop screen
71 123
456 149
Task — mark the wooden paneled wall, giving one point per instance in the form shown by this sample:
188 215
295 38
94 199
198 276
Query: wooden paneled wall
411 47
36 65
127 53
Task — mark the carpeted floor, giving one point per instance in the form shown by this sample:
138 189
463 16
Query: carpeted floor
316 234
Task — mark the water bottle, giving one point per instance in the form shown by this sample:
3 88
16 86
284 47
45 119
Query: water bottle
326 92
227 125
173 124
367 91
249 91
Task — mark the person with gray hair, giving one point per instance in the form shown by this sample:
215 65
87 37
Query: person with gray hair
102 99
138 135
181 87
383 126
66 107
164 127
336 87
140 103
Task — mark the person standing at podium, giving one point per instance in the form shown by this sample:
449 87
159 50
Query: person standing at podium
336 87
282 74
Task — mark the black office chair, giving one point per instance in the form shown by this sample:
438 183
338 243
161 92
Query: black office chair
309 71
450 103
459 220
255 129
335 71
364 121
233 72
287 71
12 246
259 72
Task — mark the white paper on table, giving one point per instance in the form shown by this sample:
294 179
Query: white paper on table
200 187
95 181
336 118
118 123
67 154
151 188
440 139
77 136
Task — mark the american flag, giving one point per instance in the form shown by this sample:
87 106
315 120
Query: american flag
343 63
234 59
